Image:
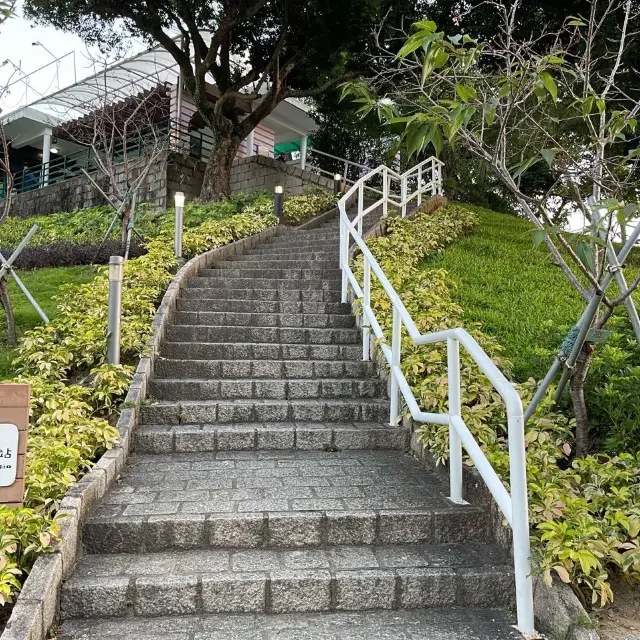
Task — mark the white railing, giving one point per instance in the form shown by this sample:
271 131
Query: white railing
424 178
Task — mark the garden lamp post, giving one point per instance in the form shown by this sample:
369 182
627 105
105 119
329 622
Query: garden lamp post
278 198
116 268
179 202
337 183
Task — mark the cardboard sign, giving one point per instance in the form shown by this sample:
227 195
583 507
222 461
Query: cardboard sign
14 424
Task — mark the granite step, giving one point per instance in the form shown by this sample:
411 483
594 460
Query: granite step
262 335
232 282
277 498
283 369
240 319
260 271
273 388
284 262
261 306
256 351
229 411
320 436
260 293
433 624
328 254
287 580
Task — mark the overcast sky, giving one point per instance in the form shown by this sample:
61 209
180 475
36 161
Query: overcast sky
16 38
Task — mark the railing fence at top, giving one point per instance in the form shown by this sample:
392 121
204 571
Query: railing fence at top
421 180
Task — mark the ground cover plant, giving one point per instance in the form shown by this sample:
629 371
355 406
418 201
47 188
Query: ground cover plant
583 510
75 395
44 284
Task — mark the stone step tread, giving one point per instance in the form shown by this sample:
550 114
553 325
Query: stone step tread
256 410
253 270
260 335
263 369
262 306
261 437
431 624
236 282
269 294
248 261
203 350
292 389
288 580
278 319
289 480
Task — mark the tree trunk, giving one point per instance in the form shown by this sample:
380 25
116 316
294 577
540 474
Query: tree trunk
580 372
217 176
8 310
126 216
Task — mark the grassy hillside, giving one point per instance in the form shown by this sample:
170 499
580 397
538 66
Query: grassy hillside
512 288
43 285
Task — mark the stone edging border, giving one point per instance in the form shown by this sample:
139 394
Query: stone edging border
36 608
558 611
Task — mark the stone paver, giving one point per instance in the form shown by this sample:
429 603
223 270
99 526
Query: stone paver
450 624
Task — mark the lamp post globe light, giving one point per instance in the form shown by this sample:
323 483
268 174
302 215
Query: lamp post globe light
337 183
278 198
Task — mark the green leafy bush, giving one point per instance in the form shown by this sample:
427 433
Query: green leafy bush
584 512
75 394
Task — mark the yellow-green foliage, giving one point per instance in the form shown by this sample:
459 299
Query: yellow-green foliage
584 512
74 391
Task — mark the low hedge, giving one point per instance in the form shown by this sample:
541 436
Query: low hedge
75 395
69 239
584 512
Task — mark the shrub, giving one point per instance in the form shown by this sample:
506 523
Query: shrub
75 394
584 515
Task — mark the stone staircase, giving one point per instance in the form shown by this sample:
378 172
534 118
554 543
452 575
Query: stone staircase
267 496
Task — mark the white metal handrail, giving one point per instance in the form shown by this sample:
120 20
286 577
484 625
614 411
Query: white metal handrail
427 177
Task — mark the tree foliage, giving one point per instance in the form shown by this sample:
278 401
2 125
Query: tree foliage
252 50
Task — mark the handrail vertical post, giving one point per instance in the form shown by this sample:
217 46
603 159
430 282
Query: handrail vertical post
419 185
403 195
396 338
344 257
455 407
521 543
346 171
385 192
434 177
366 303
360 206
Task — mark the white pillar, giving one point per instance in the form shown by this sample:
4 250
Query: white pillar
249 143
303 152
46 156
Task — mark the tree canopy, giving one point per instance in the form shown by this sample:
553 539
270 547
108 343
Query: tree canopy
250 49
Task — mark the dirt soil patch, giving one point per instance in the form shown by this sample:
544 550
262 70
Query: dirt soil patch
621 620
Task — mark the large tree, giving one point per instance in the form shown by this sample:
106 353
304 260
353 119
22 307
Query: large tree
286 49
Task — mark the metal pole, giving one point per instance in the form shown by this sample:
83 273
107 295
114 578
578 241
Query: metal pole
344 259
385 193
177 241
278 198
396 338
520 526
542 389
419 185
366 303
360 206
303 152
115 309
403 195
455 409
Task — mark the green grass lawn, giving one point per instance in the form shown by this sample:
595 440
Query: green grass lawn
43 285
512 289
